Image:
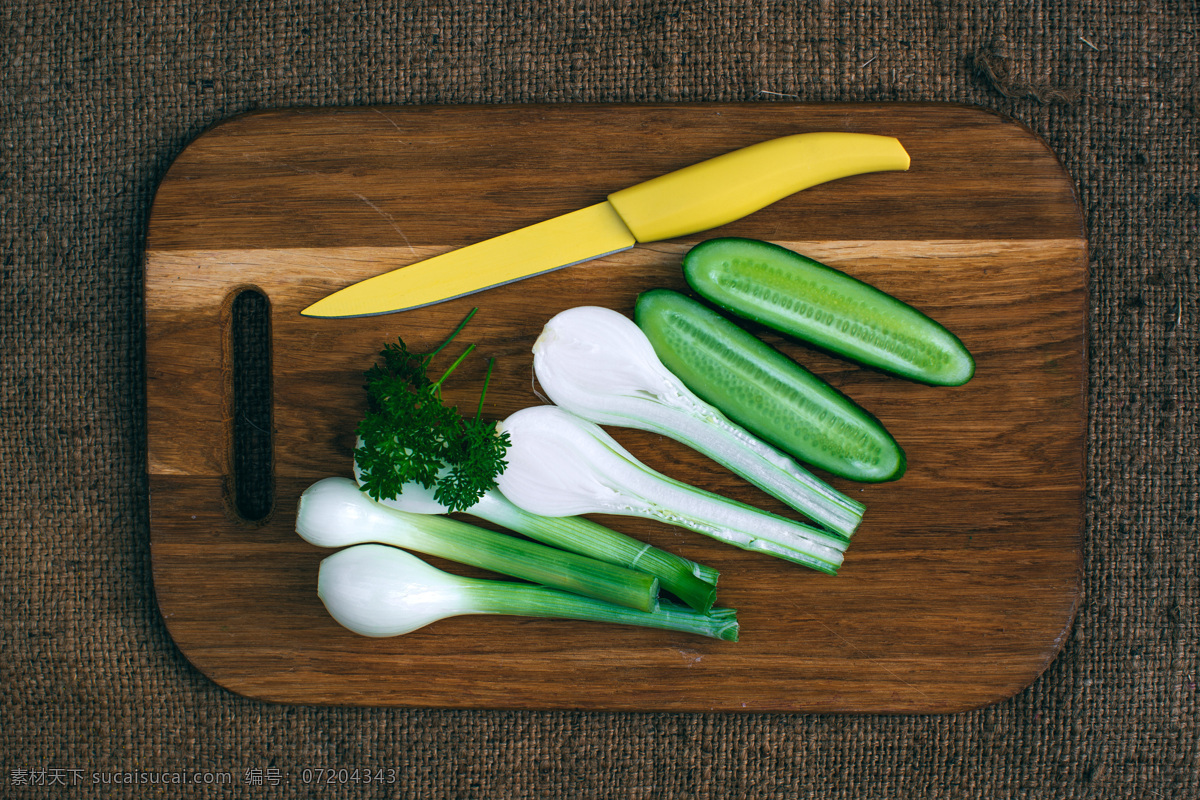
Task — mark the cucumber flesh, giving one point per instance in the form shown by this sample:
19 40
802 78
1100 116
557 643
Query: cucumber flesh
808 300
765 391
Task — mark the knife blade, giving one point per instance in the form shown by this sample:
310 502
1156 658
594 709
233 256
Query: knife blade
686 201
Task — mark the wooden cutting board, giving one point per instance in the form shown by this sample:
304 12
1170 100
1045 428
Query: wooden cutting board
958 589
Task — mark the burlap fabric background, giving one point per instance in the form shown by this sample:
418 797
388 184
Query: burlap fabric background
97 99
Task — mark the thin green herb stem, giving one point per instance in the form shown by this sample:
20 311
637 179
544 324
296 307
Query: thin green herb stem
487 379
453 334
437 387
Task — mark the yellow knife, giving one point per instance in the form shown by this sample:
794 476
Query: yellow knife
680 203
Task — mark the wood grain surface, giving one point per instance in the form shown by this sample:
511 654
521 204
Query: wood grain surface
959 587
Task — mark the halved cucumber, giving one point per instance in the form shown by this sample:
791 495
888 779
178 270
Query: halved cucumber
765 391
806 299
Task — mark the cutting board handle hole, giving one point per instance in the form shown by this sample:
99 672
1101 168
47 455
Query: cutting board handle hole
253 431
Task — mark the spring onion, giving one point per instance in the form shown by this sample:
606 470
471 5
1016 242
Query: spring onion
694 584
334 512
599 365
378 591
560 465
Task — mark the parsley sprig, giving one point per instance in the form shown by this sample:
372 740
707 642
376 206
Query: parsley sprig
410 435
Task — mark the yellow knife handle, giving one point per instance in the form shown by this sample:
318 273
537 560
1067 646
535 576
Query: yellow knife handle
736 184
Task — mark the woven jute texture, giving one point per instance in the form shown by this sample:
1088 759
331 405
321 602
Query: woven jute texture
97 98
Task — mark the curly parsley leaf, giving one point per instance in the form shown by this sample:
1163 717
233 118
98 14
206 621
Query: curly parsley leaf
409 435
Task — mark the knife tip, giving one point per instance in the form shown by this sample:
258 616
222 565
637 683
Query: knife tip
320 310
315 311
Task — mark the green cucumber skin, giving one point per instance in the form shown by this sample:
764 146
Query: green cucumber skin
808 300
766 392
